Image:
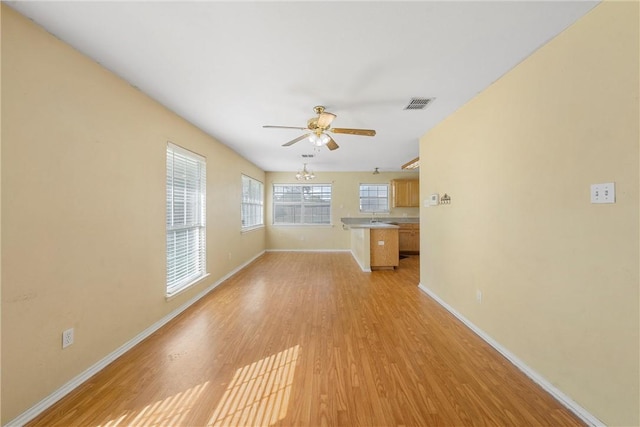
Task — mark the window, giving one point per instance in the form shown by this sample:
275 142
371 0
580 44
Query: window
305 204
252 203
186 224
374 198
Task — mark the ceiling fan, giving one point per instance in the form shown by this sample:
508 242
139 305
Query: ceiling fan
319 126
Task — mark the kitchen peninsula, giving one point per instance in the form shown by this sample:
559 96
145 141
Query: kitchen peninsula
375 244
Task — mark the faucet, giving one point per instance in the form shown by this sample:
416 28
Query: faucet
373 217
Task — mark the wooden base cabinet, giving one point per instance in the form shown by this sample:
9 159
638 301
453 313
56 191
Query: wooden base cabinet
409 238
384 248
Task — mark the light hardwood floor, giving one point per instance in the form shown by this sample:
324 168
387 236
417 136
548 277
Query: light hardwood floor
308 339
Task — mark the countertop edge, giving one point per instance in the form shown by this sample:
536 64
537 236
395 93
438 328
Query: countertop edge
350 221
374 225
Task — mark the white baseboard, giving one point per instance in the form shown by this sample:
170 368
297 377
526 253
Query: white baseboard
362 267
48 401
582 413
308 250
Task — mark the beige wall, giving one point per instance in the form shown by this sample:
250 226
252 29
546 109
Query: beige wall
83 199
559 275
344 203
0 223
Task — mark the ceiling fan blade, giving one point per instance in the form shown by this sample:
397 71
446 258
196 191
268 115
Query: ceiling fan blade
362 132
293 141
283 127
331 145
324 119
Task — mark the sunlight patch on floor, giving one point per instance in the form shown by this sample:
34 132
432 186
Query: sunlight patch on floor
169 411
259 393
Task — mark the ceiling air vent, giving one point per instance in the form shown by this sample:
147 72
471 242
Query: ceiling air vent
308 156
419 103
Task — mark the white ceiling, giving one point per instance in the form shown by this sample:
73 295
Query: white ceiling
231 67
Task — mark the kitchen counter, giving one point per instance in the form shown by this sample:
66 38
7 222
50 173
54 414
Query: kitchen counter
350 221
377 244
374 225
374 245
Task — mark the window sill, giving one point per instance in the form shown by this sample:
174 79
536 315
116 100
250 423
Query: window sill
250 229
189 285
303 225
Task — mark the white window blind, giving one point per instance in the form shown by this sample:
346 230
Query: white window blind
374 198
304 204
186 219
252 208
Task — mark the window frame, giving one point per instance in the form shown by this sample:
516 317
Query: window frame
251 203
388 197
188 228
304 206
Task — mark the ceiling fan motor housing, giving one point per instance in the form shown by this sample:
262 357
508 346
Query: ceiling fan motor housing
312 124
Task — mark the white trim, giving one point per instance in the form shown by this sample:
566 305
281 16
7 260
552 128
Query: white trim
252 228
293 225
308 250
362 266
186 287
58 394
186 151
581 412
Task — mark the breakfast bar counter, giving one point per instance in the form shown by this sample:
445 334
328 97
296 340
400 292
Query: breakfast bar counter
374 245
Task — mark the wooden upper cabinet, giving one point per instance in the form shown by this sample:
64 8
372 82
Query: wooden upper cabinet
405 193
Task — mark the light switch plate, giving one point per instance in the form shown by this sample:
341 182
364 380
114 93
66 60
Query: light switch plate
603 193
434 199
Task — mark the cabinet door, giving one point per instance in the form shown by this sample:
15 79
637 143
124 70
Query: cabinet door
400 193
414 193
384 247
405 240
415 241
409 238
406 193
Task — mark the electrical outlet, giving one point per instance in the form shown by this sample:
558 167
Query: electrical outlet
603 193
67 338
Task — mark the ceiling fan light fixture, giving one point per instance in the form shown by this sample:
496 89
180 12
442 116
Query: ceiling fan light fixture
319 140
315 140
